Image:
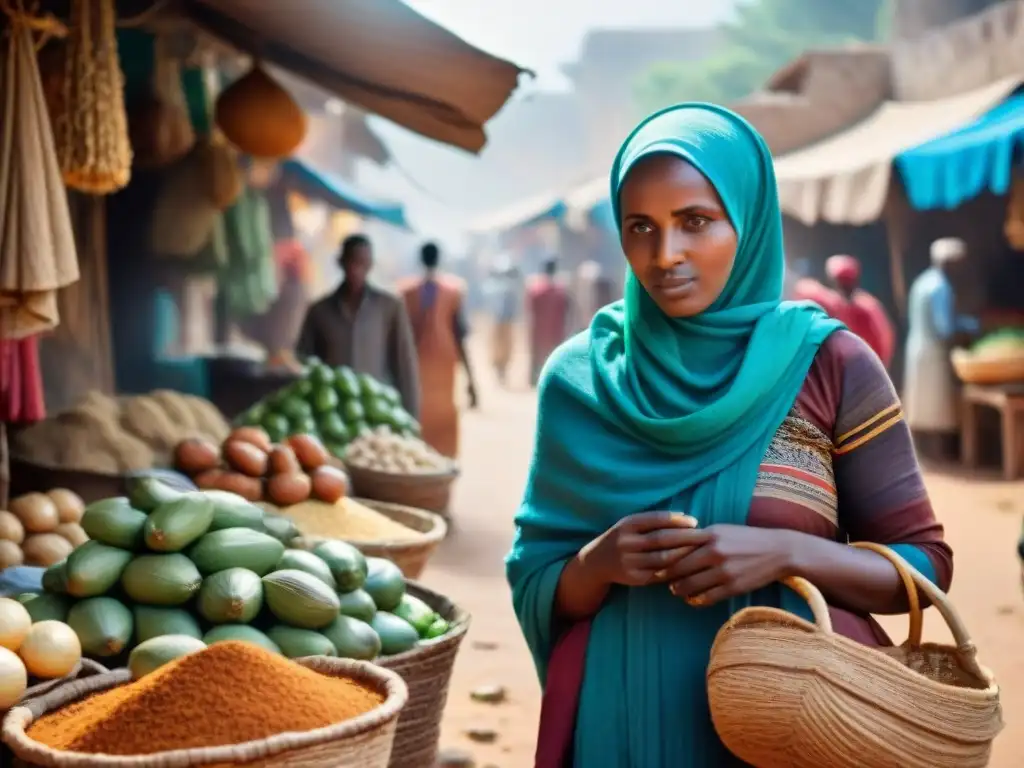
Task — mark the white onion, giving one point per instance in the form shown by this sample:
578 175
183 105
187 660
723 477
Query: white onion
51 649
13 679
14 623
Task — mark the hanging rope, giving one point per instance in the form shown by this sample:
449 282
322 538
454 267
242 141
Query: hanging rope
26 14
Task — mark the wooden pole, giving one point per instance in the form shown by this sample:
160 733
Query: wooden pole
897 219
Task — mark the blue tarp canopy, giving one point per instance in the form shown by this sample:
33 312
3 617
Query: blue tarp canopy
963 164
320 185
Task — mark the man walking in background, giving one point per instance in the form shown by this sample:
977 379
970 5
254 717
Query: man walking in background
548 303
435 306
364 327
505 300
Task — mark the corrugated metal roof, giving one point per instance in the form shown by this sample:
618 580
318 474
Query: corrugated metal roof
377 54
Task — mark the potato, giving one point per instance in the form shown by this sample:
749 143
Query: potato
285 490
329 484
283 461
253 436
309 451
195 456
246 458
249 488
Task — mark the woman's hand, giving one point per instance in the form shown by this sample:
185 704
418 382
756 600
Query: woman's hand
637 548
729 560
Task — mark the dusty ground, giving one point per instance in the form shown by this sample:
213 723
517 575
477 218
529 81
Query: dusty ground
982 518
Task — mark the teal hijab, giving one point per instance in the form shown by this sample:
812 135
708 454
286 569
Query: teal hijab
643 411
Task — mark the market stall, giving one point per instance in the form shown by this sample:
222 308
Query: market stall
117 556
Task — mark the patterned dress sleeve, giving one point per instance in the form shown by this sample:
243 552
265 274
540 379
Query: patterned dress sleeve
882 496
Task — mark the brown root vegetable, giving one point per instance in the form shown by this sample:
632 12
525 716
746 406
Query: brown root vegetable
73 533
245 458
209 480
10 554
36 511
11 528
249 488
285 490
195 456
329 484
309 451
283 461
70 506
45 549
253 436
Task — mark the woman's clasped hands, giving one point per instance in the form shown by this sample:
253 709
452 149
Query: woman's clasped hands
704 566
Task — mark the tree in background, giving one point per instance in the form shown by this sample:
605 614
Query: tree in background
764 36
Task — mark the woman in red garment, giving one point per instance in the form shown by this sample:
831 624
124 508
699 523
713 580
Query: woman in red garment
861 312
548 303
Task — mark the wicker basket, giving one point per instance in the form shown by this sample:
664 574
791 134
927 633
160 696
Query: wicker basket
972 369
431 492
409 555
362 742
427 670
786 693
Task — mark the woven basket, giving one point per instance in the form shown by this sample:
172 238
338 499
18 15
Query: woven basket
431 492
972 369
409 555
786 693
427 670
362 742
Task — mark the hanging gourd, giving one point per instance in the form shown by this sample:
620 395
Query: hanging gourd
220 159
159 123
260 117
91 126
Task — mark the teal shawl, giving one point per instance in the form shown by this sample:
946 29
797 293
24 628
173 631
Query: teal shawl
643 411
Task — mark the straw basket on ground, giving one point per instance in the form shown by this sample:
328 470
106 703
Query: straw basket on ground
362 742
431 492
786 693
992 371
409 555
427 670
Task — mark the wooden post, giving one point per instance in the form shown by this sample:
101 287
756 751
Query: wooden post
897 220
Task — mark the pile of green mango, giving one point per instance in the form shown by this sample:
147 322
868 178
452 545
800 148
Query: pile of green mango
335 404
212 566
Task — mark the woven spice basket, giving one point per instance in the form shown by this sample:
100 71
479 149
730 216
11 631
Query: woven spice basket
362 742
786 693
972 369
427 670
431 492
411 555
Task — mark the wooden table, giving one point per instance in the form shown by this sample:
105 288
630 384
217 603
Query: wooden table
1009 401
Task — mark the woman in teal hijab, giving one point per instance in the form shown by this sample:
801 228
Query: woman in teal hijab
701 441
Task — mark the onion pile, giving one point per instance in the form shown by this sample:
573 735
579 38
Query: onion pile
47 650
41 529
384 451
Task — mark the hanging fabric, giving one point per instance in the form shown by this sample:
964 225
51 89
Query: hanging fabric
1014 228
37 244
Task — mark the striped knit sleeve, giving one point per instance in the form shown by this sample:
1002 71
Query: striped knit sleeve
882 496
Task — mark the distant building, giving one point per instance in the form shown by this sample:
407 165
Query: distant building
605 76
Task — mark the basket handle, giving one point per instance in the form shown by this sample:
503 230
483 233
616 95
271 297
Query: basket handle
814 598
903 568
964 644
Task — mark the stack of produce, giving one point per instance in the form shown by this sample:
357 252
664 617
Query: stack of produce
194 702
334 404
41 529
348 520
249 465
212 566
113 435
1001 344
384 451
44 650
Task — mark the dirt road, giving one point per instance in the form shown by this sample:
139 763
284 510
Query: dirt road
982 518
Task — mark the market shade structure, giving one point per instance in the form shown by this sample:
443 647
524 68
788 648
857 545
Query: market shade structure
321 185
377 54
965 163
525 213
845 179
590 203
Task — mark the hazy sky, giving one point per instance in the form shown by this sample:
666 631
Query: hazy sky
440 185
543 34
